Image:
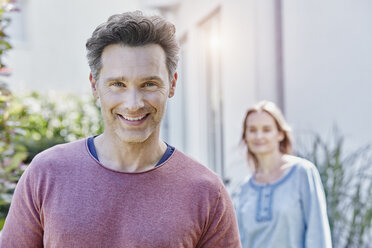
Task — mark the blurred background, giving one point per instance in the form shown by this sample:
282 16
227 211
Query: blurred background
312 58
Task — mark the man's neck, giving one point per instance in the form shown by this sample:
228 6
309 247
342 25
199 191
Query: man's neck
129 157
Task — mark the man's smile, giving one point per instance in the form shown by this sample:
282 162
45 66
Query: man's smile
133 120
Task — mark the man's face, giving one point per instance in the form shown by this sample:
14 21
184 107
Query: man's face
133 88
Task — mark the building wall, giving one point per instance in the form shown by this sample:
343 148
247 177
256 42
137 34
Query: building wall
310 57
49 42
327 67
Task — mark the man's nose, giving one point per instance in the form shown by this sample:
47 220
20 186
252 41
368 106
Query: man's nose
133 100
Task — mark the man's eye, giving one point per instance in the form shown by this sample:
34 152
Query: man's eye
118 84
149 84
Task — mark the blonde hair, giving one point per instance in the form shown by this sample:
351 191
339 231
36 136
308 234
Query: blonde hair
285 146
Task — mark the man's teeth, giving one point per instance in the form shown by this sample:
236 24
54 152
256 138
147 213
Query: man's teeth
133 118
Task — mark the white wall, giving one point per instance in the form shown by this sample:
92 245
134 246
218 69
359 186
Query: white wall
327 66
327 55
51 54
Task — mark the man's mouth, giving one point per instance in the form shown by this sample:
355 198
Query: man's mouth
134 120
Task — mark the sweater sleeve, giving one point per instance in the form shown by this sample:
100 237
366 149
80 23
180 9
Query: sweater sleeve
223 228
314 203
23 226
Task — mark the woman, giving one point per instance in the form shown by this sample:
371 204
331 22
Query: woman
282 204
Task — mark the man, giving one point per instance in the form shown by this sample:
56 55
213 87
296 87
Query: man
125 187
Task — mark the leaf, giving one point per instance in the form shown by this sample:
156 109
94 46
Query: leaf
2 221
347 181
16 161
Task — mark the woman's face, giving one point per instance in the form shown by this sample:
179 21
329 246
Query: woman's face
262 135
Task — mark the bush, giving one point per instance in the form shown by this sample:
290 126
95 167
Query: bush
11 153
34 122
347 180
57 118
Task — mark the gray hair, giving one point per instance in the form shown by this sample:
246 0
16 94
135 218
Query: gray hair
133 29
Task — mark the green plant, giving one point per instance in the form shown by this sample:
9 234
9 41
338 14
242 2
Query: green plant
5 6
55 118
347 180
11 153
33 122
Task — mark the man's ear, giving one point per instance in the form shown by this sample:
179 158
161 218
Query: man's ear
172 88
93 85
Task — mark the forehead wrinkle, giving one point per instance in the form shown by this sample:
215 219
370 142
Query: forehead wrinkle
155 78
120 78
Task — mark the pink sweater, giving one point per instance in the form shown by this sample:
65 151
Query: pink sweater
66 198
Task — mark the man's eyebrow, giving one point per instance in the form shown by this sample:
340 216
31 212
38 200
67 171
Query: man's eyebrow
156 78
110 79
123 79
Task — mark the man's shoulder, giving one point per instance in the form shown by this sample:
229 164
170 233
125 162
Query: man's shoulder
189 163
61 152
195 172
54 161
63 149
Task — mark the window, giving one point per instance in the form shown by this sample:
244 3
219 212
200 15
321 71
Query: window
211 78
